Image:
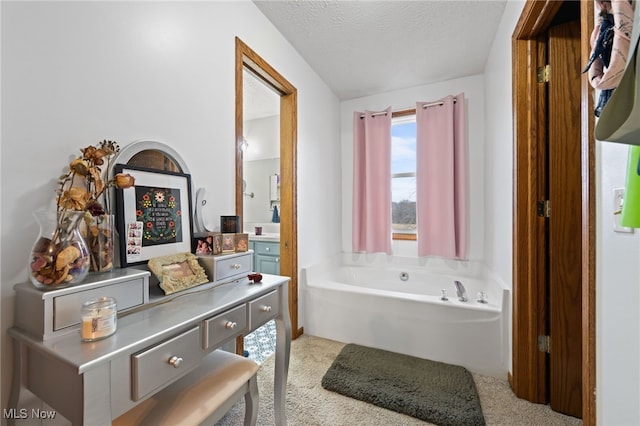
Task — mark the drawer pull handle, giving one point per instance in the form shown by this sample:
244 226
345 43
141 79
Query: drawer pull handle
267 248
236 266
266 309
175 361
230 325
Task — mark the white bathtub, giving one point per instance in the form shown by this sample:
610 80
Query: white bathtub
372 306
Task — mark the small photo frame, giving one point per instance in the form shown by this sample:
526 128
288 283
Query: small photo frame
217 242
228 243
202 246
229 224
242 242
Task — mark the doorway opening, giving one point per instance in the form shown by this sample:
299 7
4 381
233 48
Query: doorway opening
249 61
531 41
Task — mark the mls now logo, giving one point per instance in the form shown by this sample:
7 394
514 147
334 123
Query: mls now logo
23 413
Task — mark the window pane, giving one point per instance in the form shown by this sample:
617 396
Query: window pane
403 206
403 147
403 171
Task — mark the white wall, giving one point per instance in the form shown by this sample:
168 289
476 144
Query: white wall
263 138
473 88
258 207
499 149
498 246
74 73
261 160
617 299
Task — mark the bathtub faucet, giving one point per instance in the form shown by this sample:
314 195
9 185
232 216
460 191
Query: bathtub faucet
461 291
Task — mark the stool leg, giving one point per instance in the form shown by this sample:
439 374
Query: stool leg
251 401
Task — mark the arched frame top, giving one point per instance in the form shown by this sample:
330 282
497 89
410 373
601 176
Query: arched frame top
131 150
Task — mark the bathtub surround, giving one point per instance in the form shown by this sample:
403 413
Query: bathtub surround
441 178
438 392
365 299
371 181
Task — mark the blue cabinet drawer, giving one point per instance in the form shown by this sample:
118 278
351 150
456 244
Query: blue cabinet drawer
269 248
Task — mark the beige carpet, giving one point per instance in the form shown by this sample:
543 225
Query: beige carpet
308 404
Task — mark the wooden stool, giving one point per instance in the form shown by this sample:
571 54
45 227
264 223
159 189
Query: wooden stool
202 396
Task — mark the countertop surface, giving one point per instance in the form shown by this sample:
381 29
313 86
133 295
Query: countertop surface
271 237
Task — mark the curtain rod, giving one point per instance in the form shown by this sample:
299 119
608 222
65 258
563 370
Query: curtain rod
423 106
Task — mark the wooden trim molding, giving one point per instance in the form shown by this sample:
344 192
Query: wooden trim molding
404 237
527 376
589 227
529 365
247 58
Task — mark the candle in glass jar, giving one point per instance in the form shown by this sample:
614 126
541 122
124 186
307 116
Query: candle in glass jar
99 319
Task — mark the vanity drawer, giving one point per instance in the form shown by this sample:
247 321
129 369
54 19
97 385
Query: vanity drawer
164 363
270 248
221 327
264 309
236 265
67 307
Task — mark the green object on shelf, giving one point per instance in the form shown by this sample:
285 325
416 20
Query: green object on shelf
631 205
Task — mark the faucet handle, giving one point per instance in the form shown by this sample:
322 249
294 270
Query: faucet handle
482 297
444 295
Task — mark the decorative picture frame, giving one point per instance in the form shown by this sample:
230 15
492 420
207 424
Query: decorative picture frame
208 243
217 242
202 246
229 224
242 242
159 207
228 243
178 272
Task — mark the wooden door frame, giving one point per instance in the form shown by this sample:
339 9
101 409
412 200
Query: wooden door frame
528 49
247 58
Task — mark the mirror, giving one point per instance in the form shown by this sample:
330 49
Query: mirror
153 159
152 155
261 154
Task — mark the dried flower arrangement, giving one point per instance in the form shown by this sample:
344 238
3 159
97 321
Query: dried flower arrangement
83 193
83 187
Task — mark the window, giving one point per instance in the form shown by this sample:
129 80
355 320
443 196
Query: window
403 175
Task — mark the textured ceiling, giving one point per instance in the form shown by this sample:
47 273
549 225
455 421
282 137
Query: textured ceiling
361 48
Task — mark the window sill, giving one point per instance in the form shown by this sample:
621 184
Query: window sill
404 237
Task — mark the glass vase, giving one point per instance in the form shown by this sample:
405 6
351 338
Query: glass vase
99 238
59 257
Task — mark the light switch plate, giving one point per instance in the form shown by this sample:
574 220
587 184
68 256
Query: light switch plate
618 199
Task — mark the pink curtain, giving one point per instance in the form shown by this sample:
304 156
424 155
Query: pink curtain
372 182
442 178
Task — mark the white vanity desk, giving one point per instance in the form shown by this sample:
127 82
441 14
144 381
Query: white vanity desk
92 383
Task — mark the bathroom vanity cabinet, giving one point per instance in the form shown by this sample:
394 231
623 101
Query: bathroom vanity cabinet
266 256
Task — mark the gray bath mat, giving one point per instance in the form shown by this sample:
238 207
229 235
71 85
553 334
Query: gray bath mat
432 391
